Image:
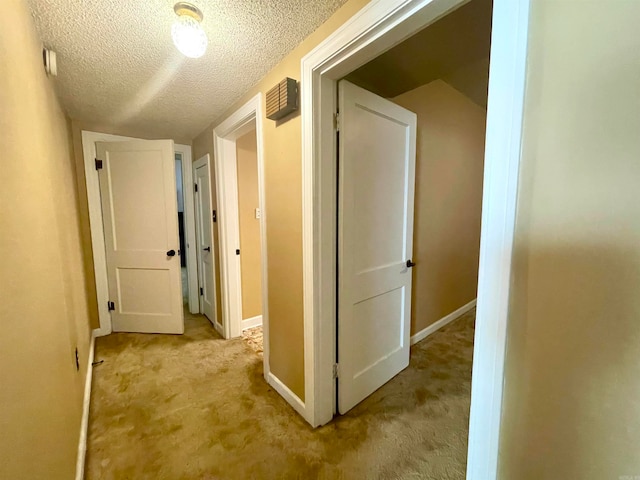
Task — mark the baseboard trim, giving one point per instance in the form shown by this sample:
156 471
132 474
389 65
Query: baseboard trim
252 322
425 332
284 391
100 332
84 424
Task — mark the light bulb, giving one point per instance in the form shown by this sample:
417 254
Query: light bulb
189 37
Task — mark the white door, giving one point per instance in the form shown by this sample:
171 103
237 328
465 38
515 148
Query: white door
140 217
204 243
375 230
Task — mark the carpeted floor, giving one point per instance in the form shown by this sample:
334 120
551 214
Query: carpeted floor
253 337
194 406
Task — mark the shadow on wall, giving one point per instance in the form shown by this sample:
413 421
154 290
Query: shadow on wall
286 119
574 358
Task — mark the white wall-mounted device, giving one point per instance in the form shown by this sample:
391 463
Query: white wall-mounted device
50 62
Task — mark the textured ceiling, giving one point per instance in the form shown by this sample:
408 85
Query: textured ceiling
117 65
455 49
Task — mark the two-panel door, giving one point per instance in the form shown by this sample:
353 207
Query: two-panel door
140 218
377 151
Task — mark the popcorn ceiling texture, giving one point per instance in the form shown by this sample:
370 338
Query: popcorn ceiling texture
117 64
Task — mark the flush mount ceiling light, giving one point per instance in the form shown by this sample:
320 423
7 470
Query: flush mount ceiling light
188 35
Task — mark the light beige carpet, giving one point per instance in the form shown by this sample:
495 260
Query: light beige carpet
194 406
253 337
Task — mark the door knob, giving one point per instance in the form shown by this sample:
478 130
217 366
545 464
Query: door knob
207 249
171 253
410 264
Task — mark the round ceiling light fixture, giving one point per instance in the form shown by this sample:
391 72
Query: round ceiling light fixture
188 35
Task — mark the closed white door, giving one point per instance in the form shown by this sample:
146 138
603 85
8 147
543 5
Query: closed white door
204 235
140 217
375 229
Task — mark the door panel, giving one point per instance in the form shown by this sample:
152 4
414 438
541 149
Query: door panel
140 217
375 232
374 215
206 249
144 290
134 177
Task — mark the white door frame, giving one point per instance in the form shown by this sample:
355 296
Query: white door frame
377 27
89 140
224 141
206 161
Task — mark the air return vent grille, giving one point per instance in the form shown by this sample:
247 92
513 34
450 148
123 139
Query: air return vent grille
282 99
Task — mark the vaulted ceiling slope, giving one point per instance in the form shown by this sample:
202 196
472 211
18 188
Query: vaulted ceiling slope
117 64
455 49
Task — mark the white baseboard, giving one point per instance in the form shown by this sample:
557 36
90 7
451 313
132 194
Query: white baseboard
291 398
101 332
252 322
424 333
84 424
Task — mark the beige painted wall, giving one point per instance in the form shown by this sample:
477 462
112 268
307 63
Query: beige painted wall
250 247
472 80
572 387
43 310
283 191
448 200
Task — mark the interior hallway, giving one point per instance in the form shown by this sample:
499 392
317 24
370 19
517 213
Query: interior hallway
194 406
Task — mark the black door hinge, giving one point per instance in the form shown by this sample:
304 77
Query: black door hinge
195 187
77 360
201 291
237 251
214 216
98 164
111 305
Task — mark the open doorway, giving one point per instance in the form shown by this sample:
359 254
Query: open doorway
249 215
377 29
239 168
182 228
205 218
410 175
